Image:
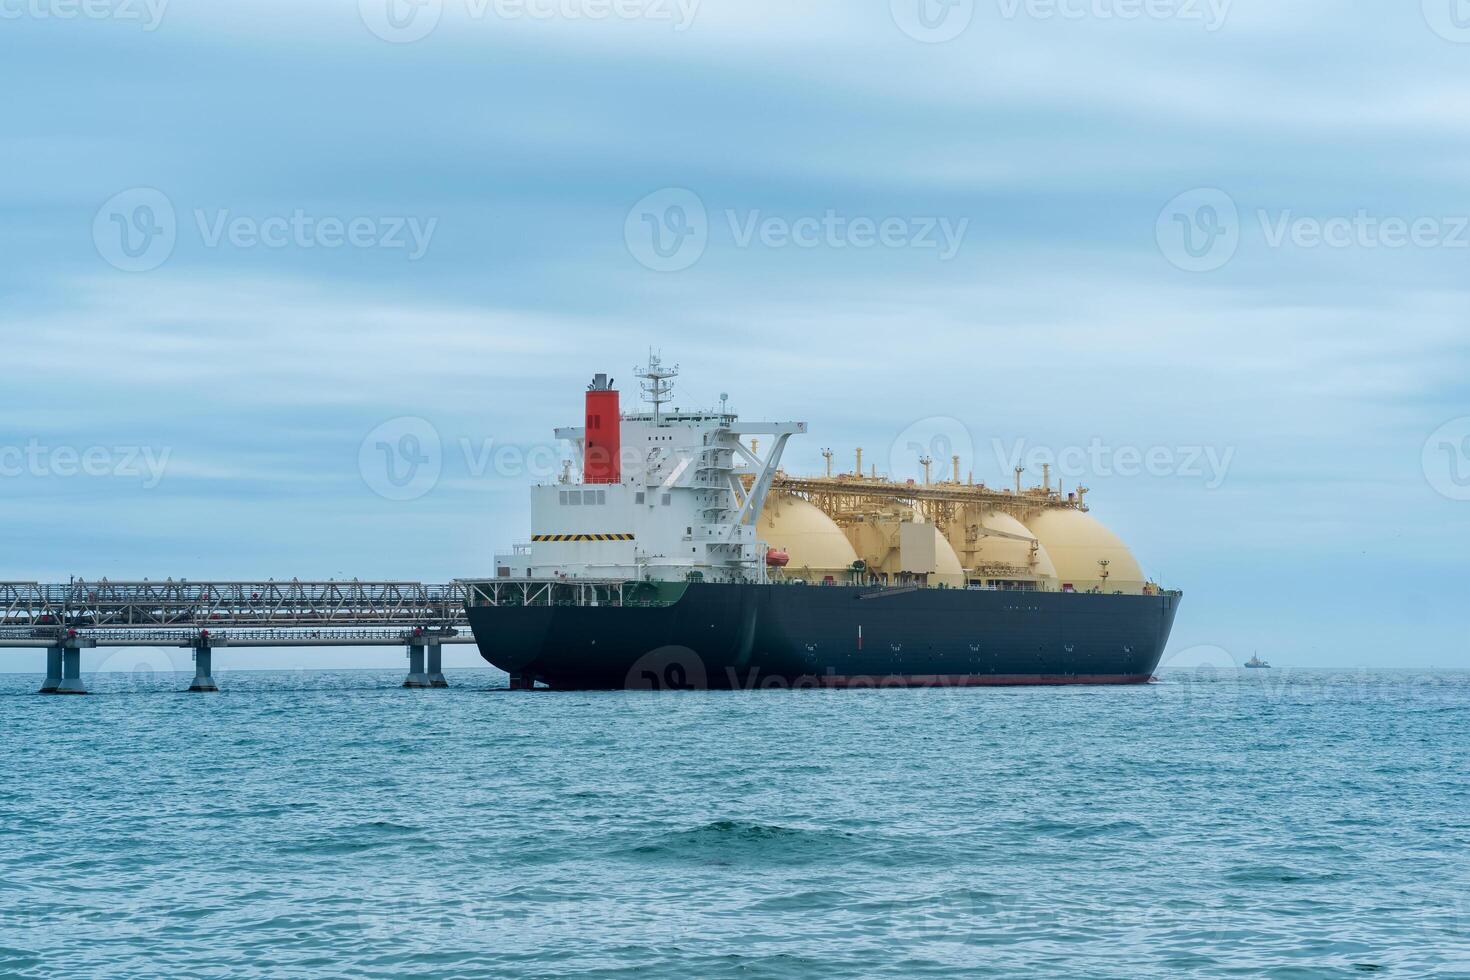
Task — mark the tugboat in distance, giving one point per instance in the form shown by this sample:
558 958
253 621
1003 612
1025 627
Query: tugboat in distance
1256 662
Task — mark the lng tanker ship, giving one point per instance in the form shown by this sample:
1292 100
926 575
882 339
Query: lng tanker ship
684 557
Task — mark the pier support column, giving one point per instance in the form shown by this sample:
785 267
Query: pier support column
416 675
71 672
203 672
436 665
53 671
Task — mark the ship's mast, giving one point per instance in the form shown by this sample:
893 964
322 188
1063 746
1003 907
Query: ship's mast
657 382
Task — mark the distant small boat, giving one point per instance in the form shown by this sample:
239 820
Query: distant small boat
1256 662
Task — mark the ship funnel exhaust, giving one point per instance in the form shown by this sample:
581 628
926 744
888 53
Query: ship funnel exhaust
601 462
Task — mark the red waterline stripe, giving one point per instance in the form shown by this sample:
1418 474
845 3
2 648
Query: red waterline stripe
977 680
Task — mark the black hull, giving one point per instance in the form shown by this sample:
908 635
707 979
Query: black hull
768 636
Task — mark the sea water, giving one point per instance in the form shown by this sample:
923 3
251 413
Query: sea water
1261 823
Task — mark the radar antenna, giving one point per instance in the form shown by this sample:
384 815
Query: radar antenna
657 382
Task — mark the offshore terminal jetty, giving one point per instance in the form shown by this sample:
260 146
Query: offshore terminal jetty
206 616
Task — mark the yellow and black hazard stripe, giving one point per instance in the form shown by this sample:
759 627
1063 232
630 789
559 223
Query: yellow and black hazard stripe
581 537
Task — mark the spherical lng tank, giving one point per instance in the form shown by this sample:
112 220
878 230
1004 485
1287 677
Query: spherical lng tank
817 547
1077 544
1003 546
895 544
947 568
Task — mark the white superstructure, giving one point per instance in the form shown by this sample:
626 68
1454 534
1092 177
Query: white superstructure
672 503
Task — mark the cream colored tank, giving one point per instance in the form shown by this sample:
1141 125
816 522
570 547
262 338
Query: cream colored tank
876 543
947 568
895 544
817 547
998 548
1077 542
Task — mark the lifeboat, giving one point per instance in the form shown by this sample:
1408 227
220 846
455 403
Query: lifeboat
776 558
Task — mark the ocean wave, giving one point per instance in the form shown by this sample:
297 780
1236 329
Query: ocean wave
732 841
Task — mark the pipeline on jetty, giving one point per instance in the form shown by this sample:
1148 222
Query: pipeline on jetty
66 618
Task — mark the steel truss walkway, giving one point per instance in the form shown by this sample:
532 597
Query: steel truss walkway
204 616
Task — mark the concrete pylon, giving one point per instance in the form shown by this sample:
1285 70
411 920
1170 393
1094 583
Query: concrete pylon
417 677
203 669
71 672
53 671
436 665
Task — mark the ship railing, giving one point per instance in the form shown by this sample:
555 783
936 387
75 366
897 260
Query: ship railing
274 636
269 603
722 533
545 591
796 580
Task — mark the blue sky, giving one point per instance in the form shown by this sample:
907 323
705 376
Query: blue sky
1234 232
